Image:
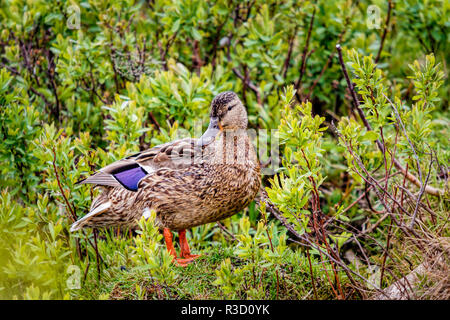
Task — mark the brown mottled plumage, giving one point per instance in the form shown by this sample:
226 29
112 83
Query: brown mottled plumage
188 182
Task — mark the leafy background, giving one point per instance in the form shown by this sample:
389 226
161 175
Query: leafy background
85 83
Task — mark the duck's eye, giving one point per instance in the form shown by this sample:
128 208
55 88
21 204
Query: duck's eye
231 107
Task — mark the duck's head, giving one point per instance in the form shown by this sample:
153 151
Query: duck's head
227 113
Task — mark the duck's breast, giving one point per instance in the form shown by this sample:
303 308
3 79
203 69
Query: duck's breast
217 193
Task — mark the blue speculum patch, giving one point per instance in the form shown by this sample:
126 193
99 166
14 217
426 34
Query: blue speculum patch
130 176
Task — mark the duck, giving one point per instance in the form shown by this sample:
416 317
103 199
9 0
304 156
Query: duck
187 182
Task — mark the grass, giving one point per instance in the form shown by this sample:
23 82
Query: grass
196 281
193 282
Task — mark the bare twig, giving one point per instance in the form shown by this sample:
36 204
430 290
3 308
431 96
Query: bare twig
73 215
422 184
304 241
113 63
425 207
245 78
422 190
357 200
399 119
86 270
430 190
153 120
222 227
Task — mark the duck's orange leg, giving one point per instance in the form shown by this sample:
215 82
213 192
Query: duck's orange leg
185 250
168 237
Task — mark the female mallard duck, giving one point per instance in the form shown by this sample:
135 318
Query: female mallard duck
188 182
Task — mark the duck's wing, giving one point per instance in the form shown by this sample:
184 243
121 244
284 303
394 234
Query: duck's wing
129 171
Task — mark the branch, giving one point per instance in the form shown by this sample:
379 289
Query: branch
422 190
163 52
386 27
309 244
51 75
304 56
245 79
228 233
197 61
216 42
422 185
73 216
289 54
249 84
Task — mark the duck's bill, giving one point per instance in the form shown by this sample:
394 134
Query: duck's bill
210 133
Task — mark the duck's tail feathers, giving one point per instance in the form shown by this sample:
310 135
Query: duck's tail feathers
77 225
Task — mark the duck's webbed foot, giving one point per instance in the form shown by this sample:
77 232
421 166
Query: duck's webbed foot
185 254
183 262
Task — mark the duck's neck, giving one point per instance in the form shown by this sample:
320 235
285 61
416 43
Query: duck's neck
235 147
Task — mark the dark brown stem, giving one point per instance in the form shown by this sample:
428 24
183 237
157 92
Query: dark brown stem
216 42
73 216
97 254
93 89
86 270
385 31
383 264
304 56
357 200
163 52
116 77
289 54
222 227
197 61
51 76
311 273
250 84
421 192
